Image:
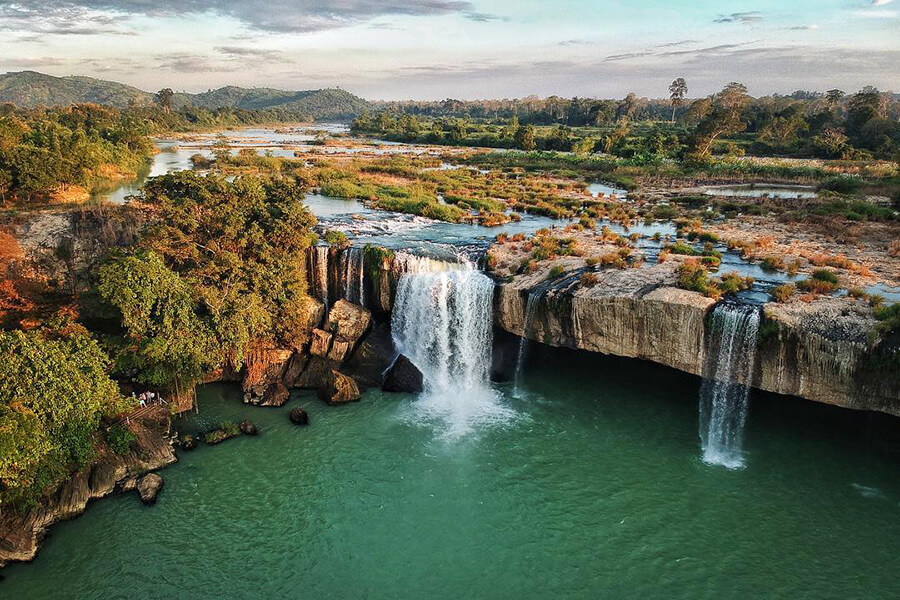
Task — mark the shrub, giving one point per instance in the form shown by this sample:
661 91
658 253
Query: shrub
555 272
693 276
733 283
773 263
120 438
336 238
784 292
822 281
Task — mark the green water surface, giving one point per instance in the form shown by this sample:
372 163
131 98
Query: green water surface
594 489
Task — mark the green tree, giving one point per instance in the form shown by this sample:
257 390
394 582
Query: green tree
677 91
525 138
725 117
163 99
54 390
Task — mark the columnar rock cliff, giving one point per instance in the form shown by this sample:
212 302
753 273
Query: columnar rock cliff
20 534
816 350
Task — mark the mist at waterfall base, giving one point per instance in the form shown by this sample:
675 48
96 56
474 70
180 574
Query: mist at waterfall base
595 490
442 322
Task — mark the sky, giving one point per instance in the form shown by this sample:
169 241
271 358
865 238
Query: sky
464 49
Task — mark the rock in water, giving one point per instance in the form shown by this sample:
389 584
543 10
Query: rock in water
188 443
248 428
298 416
340 389
148 487
403 376
372 357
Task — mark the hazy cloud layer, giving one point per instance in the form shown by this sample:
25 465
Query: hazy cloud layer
268 15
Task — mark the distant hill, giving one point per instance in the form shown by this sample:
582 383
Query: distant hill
30 89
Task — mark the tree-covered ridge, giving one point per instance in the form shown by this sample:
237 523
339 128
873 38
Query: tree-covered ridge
54 391
221 268
42 151
29 89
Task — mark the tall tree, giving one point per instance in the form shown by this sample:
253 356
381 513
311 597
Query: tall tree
725 117
677 91
163 98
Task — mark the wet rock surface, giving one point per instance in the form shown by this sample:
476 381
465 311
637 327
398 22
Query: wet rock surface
339 389
149 487
403 376
298 416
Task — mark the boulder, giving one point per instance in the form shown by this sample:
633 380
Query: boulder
276 395
349 323
265 369
321 342
372 358
248 428
148 487
316 374
294 369
298 416
403 376
339 389
188 443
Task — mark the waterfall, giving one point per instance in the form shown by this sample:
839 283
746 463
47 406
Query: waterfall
530 306
318 273
442 321
731 349
353 273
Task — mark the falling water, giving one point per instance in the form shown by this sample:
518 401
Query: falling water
442 321
731 351
523 341
318 270
353 275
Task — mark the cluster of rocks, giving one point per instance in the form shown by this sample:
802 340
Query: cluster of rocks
346 353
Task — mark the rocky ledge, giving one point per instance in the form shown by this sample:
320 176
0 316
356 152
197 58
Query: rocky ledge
21 534
819 350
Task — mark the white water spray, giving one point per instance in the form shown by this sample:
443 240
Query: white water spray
442 321
725 390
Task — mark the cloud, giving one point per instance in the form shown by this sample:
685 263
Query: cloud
60 20
745 18
802 28
33 63
880 2
286 16
244 52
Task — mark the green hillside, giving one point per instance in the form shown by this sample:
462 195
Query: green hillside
29 89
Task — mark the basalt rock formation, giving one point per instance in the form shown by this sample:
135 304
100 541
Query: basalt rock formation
817 350
20 534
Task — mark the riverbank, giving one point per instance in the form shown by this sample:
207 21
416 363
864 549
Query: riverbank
21 534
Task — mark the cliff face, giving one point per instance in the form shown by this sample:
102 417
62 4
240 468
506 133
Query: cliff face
817 350
20 534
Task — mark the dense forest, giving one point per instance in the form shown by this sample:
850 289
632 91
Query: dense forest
805 124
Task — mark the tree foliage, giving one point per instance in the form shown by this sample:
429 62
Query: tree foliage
54 389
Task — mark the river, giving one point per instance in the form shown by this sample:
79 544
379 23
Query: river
592 486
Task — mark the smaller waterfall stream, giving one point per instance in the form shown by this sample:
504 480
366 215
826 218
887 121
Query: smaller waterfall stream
442 321
731 350
353 275
530 306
